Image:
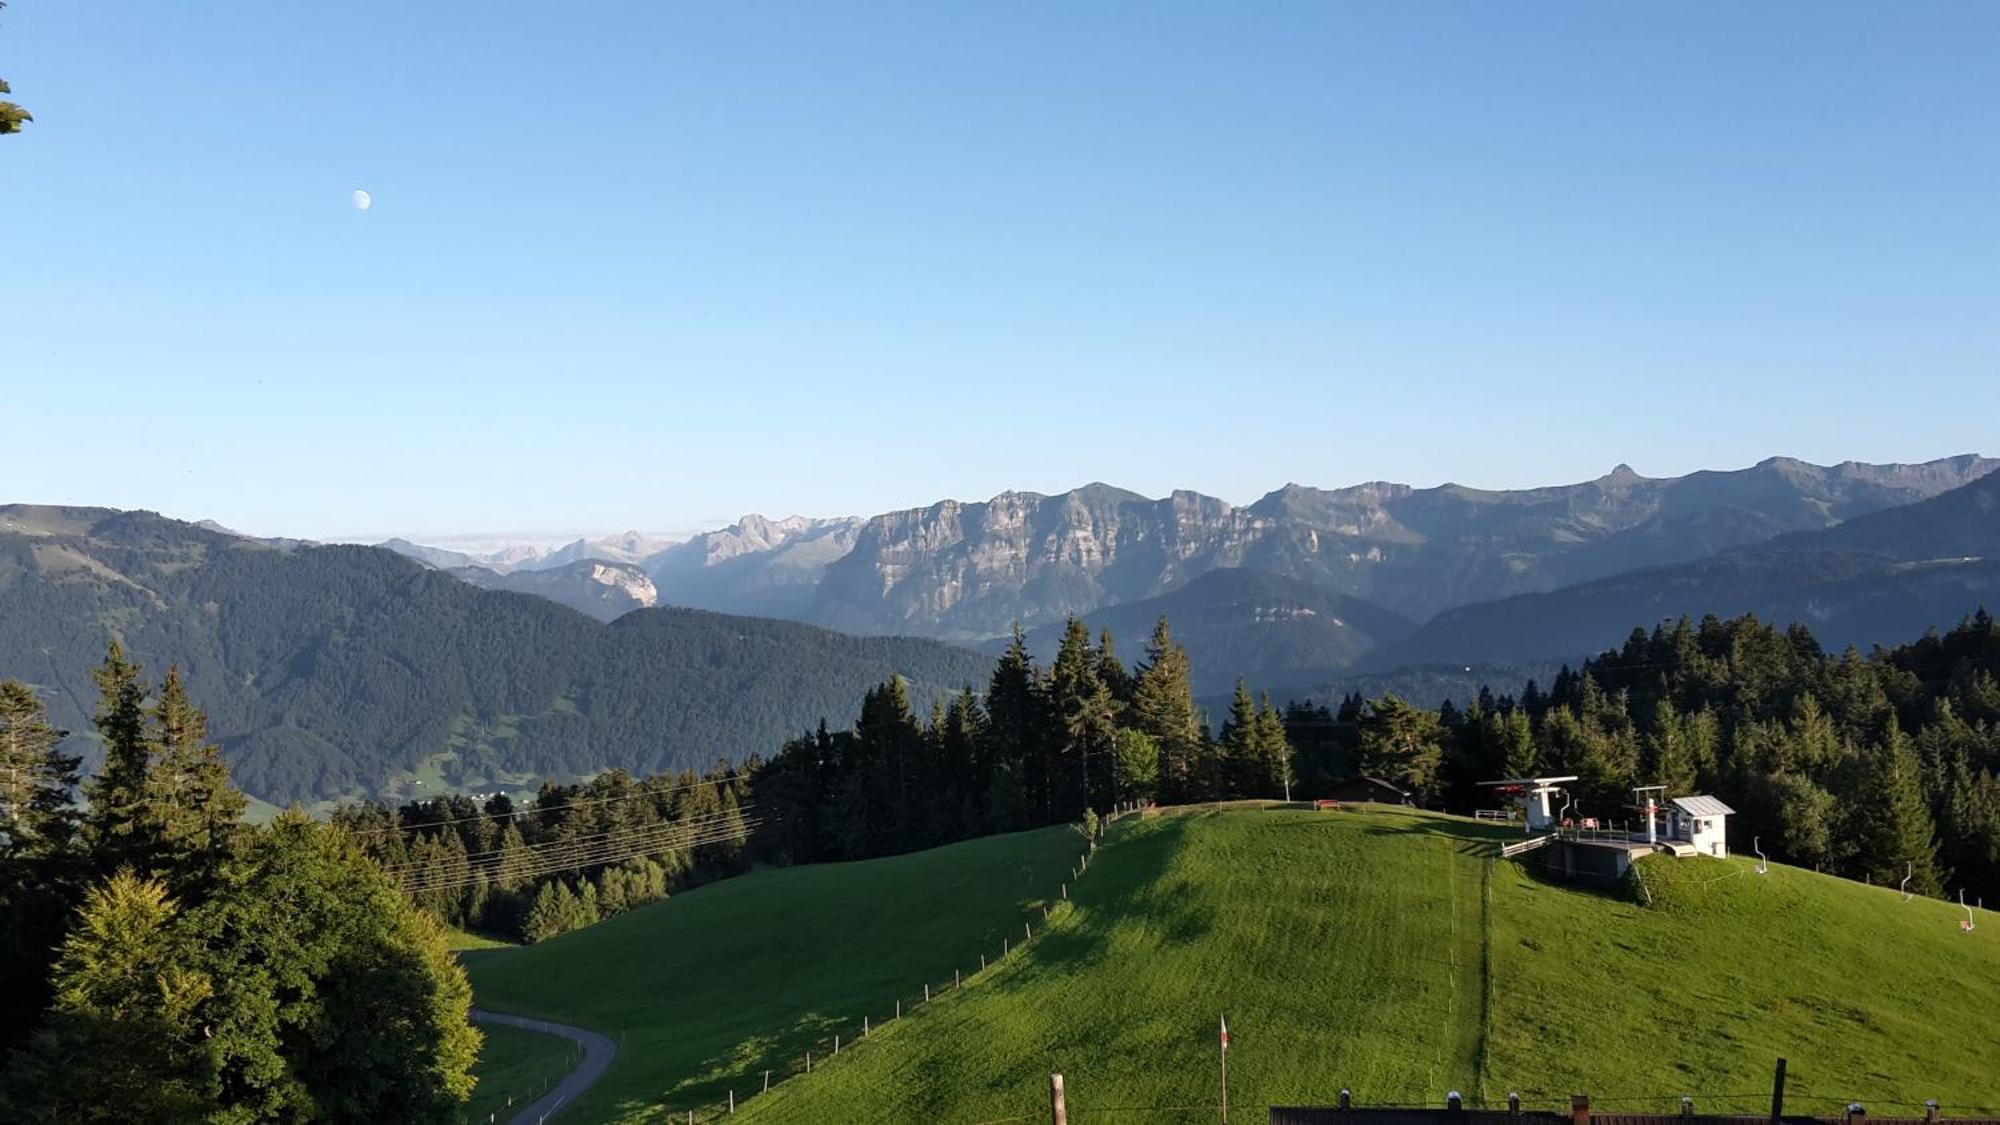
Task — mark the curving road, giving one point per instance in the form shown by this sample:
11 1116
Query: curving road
598 1051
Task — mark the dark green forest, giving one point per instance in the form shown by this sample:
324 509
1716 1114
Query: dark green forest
331 672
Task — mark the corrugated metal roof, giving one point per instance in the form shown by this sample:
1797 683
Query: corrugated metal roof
1702 806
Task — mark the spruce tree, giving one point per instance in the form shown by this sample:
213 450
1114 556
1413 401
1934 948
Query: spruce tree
190 806
117 823
1163 709
40 875
1890 826
38 816
1018 724
1275 751
1239 747
1517 744
1087 711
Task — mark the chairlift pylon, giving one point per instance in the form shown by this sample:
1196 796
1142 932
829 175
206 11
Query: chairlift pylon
1757 845
1965 926
1909 869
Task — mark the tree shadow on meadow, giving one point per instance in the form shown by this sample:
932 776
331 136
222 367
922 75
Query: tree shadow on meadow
1124 876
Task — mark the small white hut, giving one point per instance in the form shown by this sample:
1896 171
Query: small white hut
1702 822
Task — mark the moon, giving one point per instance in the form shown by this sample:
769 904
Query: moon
362 200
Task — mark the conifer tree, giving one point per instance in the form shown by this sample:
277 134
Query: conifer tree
37 814
190 807
1018 724
1240 747
40 874
117 822
1889 823
1401 743
1517 744
1163 709
1275 750
1086 710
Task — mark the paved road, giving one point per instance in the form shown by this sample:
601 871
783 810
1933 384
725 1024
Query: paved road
598 1051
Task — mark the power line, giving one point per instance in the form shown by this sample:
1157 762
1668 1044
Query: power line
561 855
705 819
575 863
667 838
533 810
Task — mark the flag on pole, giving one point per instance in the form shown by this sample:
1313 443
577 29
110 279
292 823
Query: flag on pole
1225 1035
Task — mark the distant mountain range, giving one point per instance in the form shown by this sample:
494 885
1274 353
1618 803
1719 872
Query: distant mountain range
1877 578
969 571
1390 554
339 671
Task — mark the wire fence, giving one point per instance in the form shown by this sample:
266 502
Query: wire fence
861 1032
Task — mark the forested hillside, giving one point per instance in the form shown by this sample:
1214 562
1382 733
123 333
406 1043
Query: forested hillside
343 671
1872 767
1238 622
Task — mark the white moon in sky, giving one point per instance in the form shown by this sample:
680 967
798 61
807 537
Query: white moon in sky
362 200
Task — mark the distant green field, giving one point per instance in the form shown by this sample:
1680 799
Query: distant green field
1385 952
515 1067
711 988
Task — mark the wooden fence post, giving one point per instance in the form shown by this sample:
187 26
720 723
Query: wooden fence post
1058 1113
1778 1094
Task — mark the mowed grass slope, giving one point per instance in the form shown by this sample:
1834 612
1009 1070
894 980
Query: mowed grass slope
1869 998
1382 951
707 990
1344 948
1347 949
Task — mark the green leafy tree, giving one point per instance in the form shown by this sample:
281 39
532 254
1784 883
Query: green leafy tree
1138 765
12 116
125 1040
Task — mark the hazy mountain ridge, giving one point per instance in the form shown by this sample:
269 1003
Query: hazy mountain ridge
604 590
969 570
338 670
1877 578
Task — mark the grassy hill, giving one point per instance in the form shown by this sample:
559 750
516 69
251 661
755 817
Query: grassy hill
711 988
1385 952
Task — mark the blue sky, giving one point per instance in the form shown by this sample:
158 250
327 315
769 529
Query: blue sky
654 265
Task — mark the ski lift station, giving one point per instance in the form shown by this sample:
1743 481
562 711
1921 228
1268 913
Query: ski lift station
1679 826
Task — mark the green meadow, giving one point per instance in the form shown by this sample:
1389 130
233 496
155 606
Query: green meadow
1386 952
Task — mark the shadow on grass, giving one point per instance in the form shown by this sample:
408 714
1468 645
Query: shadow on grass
1122 874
